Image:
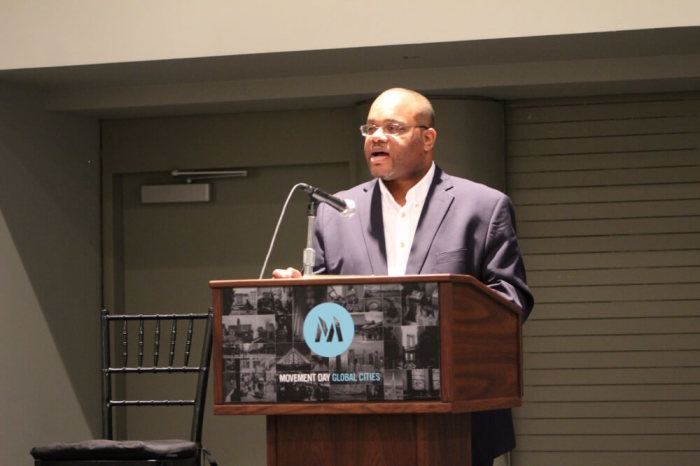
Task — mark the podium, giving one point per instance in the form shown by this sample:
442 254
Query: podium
393 385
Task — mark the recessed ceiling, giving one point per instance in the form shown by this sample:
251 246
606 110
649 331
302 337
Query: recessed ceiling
660 60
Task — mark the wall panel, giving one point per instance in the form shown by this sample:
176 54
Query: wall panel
607 193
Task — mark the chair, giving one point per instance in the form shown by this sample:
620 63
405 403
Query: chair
170 452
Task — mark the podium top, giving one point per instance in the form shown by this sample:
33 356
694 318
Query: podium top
365 279
340 279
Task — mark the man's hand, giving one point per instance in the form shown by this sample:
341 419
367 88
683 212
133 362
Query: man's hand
289 272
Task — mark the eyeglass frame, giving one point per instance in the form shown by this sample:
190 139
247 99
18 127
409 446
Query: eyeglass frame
364 129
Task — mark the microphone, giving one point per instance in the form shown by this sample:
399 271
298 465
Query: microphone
345 207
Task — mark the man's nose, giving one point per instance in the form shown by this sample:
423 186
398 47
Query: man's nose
379 134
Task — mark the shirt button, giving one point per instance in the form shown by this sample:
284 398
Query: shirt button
403 214
403 245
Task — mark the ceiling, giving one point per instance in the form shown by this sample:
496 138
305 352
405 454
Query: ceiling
659 60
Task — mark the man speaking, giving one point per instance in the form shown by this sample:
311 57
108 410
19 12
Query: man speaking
413 218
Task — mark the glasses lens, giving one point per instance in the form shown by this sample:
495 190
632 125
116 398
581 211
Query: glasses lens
392 129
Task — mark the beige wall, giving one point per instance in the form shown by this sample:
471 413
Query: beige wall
49 276
75 32
607 195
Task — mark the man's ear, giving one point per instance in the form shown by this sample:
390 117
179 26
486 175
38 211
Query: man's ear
429 137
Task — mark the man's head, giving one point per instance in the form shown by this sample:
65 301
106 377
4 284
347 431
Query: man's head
400 138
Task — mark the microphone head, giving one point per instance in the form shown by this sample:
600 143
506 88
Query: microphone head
349 210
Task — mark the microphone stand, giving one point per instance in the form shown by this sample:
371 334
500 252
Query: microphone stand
309 257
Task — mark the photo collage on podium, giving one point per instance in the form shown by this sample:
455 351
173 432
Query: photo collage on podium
394 354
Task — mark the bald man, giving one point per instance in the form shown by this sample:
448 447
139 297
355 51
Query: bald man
413 218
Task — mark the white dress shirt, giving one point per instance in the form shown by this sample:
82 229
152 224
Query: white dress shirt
400 222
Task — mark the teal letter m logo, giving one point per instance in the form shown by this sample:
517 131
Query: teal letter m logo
328 331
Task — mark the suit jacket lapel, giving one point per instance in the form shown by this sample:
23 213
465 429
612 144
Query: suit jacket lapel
437 203
370 212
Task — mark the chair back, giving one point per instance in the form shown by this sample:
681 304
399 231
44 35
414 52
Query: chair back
154 344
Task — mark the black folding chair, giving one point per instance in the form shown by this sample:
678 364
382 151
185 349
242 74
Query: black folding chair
168 452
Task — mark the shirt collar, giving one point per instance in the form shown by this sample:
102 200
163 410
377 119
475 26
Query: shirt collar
418 191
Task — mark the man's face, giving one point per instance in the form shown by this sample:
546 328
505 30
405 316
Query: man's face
405 156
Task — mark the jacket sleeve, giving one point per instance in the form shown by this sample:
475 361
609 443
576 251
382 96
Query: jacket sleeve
503 269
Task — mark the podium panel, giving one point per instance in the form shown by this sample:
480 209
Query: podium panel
339 342
379 440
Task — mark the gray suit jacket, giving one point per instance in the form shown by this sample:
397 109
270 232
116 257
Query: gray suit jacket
465 228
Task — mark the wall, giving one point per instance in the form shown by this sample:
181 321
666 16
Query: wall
87 32
607 194
49 276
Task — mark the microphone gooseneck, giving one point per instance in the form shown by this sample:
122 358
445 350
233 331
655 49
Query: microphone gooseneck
345 207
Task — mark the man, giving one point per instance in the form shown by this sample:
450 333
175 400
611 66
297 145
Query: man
413 218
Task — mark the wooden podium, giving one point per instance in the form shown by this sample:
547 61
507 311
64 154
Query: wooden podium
480 368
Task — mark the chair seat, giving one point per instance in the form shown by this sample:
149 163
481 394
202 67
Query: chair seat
117 450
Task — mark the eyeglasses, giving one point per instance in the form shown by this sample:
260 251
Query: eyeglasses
390 129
